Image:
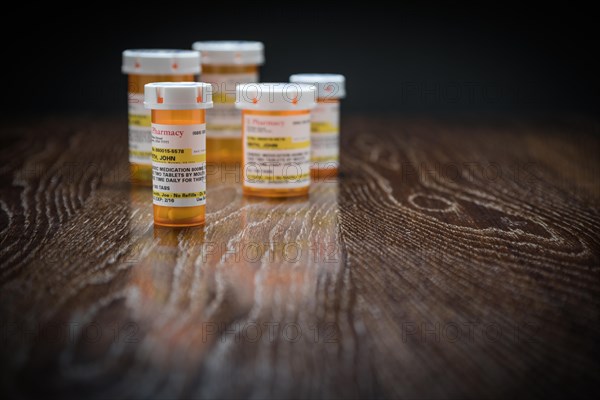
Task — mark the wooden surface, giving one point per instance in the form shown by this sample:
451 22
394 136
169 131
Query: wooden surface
451 259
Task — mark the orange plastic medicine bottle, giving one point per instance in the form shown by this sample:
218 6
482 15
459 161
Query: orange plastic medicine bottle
275 138
142 67
325 122
226 64
178 151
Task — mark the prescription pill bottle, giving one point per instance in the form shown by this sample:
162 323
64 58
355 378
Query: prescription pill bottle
142 67
178 151
224 65
275 138
325 122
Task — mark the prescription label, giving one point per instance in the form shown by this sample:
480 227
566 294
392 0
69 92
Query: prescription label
325 129
277 151
224 121
179 165
140 140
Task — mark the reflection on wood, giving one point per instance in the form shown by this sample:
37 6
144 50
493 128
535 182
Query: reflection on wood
449 259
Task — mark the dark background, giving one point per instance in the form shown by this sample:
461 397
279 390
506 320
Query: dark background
420 57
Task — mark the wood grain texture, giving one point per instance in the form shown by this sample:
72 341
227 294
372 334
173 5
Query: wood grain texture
450 259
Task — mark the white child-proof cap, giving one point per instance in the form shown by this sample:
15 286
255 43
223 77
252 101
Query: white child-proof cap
329 86
161 62
231 52
177 95
275 96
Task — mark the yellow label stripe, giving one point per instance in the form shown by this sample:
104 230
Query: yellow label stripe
223 98
138 153
176 156
140 120
224 128
275 143
169 195
277 178
323 127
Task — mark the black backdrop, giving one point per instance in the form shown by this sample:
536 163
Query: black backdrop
412 58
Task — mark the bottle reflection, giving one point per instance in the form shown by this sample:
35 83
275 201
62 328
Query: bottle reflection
249 245
163 257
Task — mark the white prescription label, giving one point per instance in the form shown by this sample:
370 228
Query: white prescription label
179 165
325 129
140 139
224 121
277 151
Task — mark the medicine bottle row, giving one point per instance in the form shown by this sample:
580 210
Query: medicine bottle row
281 133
